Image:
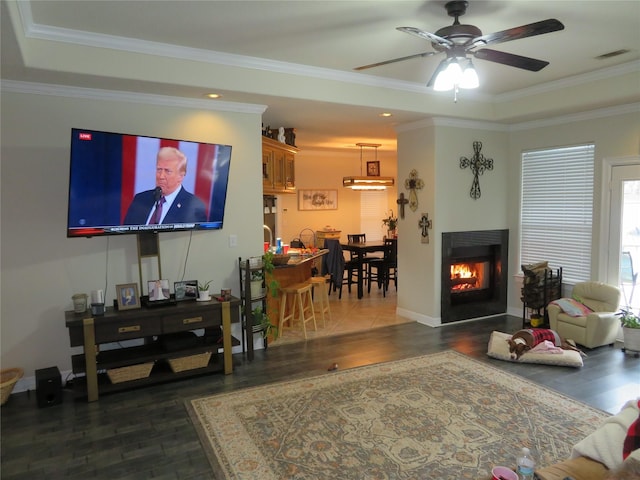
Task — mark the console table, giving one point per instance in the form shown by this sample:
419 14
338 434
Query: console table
149 324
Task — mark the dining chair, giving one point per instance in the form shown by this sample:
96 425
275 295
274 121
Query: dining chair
385 269
335 265
353 273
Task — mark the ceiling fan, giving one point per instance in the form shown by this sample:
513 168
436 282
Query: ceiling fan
458 40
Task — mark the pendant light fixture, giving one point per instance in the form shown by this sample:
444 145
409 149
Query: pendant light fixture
369 182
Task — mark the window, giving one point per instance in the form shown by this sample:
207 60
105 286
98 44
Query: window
373 208
557 208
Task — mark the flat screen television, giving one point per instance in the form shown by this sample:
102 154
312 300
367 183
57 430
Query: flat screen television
122 183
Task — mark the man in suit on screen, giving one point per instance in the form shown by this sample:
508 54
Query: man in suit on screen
169 202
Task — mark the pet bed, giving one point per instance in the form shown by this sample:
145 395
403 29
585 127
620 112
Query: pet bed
499 349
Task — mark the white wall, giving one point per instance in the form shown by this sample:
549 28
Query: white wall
614 135
435 151
324 169
42 269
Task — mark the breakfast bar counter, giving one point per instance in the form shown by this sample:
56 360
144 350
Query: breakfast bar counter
297 270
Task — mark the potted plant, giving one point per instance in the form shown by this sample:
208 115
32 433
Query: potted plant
391 222
257 279
262 319
203 290
630 330
273 285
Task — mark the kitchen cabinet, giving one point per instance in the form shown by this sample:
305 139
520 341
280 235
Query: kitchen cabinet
278 167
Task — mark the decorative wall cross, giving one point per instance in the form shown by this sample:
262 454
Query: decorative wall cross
412 184
425 224
401 203
478 164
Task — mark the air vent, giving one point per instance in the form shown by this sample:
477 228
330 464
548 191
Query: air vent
612 54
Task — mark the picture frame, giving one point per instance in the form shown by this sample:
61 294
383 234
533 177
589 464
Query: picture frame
186 290
317 199
373 169
127 296
158 290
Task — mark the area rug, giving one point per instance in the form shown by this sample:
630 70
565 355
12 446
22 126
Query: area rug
440 416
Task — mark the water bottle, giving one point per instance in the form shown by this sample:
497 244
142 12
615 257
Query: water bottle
526 464
278 245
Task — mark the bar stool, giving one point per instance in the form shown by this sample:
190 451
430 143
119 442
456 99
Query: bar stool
321 296
297 299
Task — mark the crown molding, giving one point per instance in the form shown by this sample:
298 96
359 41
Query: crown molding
452 122
578 117
64 35
76 37
554 85
13 86
82 38
499 127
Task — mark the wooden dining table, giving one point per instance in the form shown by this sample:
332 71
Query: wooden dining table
360 250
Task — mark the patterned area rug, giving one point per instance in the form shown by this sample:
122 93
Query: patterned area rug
441 416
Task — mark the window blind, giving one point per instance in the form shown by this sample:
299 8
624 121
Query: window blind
373 208
557 209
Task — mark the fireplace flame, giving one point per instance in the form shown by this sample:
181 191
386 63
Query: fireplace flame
461 270
464 276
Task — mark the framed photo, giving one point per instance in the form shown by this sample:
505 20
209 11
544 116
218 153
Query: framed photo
373 169
158 290
186 290
127 296
317 199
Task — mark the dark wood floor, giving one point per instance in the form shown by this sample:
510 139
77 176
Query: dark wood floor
146 433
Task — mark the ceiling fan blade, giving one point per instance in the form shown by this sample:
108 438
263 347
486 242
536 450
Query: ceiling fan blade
523 31
401 59
510 59
443 42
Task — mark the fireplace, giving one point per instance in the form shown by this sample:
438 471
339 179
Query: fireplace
474 274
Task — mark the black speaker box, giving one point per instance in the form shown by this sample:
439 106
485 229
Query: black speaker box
48 387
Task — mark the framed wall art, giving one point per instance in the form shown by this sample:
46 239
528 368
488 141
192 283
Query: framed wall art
317 199
127 296
373 169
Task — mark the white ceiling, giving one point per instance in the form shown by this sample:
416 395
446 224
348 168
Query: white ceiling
313 46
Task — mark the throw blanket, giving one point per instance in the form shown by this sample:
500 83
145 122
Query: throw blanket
546 347
612 442
632 441
572 307
541 335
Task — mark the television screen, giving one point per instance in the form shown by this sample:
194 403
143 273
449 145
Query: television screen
122 183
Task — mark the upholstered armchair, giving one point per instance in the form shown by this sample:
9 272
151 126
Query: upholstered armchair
596 328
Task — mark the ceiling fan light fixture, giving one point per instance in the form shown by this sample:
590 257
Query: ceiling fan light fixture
469 77
451 75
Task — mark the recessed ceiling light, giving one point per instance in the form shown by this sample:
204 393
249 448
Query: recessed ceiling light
213 95
385 114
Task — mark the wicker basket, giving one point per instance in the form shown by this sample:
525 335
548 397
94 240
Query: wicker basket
131 372
189 363
8 379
